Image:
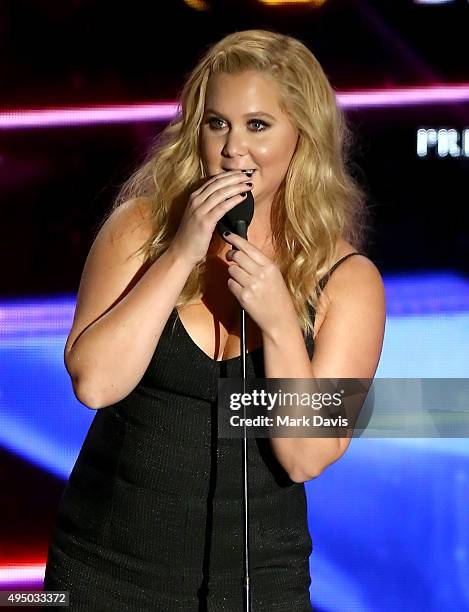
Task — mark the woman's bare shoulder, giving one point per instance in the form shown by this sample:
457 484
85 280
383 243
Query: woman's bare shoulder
343 248
353 275
132 218
348 276
140 208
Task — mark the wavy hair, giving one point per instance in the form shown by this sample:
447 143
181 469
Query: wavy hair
318 201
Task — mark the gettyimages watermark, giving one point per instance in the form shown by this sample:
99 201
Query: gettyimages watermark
343 407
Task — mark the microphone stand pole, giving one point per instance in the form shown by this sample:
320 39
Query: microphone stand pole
241 230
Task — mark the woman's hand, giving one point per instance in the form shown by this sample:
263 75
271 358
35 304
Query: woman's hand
205 208
258 285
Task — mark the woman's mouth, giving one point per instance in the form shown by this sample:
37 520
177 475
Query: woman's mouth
249 172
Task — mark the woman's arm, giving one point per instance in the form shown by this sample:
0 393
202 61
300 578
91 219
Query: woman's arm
121 308
348 345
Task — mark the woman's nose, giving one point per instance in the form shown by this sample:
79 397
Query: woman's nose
235 144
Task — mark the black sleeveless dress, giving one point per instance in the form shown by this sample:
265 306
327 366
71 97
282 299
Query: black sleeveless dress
151 517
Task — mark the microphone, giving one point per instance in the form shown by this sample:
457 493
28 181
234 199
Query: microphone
237 219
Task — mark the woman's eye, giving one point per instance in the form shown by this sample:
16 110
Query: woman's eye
214 121
261 123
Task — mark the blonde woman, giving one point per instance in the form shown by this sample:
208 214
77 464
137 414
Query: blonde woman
152 516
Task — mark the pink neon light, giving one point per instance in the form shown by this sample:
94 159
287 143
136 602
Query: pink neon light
406 96
164 111
21 574
52 117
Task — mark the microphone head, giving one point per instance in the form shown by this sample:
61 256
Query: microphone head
244 211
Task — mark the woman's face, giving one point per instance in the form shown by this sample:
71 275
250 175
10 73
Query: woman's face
244 128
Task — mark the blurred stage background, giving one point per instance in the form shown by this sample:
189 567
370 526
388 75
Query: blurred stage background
84 88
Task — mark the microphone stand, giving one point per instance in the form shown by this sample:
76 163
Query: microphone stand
237 221
241 230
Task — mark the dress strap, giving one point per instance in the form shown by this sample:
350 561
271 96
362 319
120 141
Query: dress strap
325 278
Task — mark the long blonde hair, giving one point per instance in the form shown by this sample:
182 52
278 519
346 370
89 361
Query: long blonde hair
318 201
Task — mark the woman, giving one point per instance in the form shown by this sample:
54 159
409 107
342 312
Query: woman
152 517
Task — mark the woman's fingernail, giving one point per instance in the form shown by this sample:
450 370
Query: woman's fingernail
226 233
